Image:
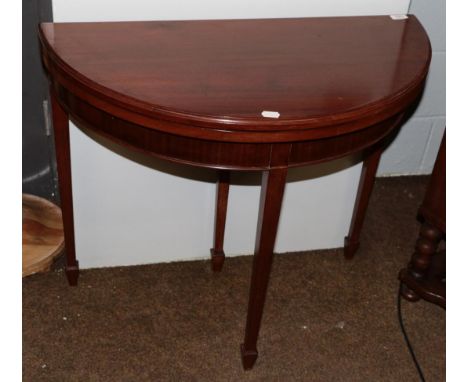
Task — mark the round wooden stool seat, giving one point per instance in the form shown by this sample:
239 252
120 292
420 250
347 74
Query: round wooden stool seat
42 234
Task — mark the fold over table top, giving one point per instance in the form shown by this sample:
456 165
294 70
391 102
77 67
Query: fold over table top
313 72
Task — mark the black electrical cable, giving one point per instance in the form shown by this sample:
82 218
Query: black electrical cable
408 343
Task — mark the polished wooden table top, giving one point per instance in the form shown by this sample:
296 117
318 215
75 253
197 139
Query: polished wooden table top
314 72
196 92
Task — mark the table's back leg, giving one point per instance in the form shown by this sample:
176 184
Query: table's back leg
62 150
366 183
217 252
273 184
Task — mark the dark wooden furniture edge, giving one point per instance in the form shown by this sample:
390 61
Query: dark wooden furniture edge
424 277
215 128
431 288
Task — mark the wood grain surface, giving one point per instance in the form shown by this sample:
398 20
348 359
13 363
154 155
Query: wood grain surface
314 72
42 234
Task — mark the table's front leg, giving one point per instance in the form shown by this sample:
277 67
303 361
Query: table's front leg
273 183
366 183
222 194
62 150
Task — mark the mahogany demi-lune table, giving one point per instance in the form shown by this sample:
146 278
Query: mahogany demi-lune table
237 95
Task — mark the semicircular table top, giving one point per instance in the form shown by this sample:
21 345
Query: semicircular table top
311 71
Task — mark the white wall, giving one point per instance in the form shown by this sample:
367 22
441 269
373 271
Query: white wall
415 149
119 10
131 209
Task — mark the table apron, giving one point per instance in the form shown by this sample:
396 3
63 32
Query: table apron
221 154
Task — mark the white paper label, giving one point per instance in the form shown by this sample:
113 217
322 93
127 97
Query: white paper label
398 17
270 114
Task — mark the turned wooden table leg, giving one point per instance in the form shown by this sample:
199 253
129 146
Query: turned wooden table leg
62 149
273 183
217 252
366 183
426 247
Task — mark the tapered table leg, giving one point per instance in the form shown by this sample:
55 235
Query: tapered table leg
62 149
217 252
366 183
273 184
